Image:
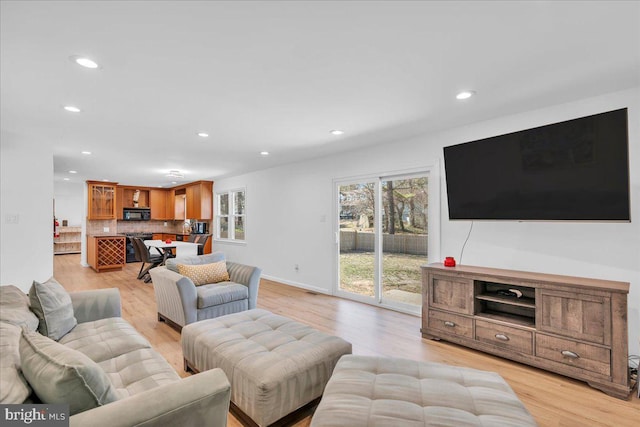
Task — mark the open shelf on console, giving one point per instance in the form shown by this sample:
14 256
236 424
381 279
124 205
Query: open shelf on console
491 304
520 302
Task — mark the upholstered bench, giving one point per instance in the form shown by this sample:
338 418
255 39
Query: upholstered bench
375 391
275 365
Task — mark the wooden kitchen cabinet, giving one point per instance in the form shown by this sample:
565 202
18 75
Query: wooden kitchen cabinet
573 326
128 193
161 204
106 252
199 200
179 205
119 199
102 200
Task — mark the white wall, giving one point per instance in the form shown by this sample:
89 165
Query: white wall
26 188
285 206
70 203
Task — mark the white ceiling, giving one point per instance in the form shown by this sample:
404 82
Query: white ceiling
278 76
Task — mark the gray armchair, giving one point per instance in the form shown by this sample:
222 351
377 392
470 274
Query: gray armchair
181 302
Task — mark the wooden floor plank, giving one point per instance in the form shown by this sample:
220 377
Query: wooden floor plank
552 399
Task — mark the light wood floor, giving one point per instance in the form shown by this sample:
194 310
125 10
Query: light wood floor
552 399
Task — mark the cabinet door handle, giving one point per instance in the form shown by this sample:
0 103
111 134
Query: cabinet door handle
502 337
449 324
570 354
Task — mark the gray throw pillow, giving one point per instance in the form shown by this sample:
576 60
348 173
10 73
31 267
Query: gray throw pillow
14 308
52 304
59 374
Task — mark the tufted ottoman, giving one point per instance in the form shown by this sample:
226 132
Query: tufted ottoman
372 391
275 365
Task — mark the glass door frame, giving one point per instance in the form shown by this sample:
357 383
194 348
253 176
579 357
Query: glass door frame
432 172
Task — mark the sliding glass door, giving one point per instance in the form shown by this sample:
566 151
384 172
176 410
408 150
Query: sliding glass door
356 224
382 239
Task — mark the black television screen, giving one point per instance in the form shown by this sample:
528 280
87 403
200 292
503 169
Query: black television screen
573 170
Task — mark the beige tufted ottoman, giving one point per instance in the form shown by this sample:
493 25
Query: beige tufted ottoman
275 365
372 391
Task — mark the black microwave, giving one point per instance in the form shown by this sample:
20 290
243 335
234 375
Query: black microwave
136 214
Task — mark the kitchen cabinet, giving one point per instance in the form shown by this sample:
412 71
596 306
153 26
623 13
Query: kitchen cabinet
128 193
102 200
119 199
106 252
199 200
161 204
573 326
180 205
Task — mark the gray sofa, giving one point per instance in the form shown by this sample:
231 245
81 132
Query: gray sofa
181 302
144 388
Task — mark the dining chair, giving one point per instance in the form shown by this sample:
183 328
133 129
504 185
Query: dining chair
143 255
201 240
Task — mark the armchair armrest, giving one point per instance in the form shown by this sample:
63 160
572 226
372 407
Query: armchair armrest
176 295
96 304
248 276
198 400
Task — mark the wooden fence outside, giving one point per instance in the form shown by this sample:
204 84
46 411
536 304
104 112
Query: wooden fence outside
351 240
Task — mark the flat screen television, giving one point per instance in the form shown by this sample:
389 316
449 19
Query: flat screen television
577 170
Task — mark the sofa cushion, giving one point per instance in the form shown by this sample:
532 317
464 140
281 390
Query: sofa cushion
203 274
59 374
172 263
105 339
13 387
138 371
14 308
52 304
220 293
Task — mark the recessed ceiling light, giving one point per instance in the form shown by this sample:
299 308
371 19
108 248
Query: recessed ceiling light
336 132
84 61
173 182
203 134
66 179
72 109
264 153
73 171
86 153
465 94
105 180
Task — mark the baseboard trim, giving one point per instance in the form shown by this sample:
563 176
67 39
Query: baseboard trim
297 284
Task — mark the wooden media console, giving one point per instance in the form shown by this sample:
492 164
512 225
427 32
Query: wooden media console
569 325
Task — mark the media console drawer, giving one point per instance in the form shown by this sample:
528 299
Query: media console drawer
450 323
580 355
504 336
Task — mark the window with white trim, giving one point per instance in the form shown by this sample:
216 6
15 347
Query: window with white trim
231 215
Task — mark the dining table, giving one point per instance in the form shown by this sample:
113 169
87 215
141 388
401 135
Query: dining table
183 249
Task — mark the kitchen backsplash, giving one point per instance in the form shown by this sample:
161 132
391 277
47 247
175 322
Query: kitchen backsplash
120 227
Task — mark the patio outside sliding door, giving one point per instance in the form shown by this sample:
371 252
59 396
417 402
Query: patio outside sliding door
382 239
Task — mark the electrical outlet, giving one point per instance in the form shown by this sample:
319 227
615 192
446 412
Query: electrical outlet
165 223
105 229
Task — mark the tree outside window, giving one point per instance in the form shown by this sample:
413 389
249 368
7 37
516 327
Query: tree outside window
231 213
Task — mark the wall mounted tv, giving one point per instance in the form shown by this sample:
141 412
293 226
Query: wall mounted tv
577 170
